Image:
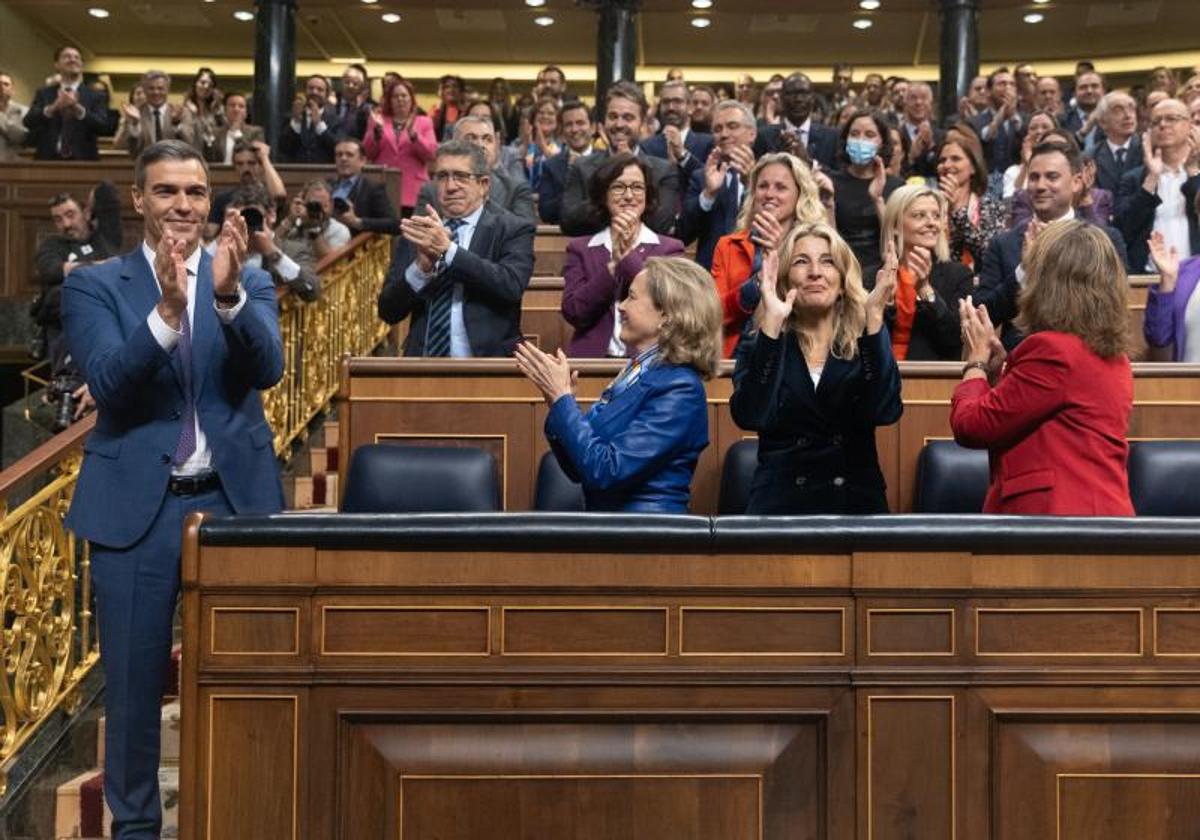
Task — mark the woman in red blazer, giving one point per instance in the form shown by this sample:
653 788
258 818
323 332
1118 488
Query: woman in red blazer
1054 423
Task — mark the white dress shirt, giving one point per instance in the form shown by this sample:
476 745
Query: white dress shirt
167 338
460 345
616 347
731 179
1170 217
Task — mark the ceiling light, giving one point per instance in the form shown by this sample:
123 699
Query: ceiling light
98 13
535 3
1034 17
701 22
869 5
702 4
862 23
240 15
370 2
391 17
1040 2
544 20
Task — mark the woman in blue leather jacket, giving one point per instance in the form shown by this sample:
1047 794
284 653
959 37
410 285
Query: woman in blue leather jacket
637 447
817 379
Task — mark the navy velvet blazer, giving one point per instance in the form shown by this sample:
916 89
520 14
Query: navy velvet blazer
637 451
694 224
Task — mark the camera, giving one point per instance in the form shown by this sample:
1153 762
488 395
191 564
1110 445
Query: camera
340 206
254 219
61 392
314 210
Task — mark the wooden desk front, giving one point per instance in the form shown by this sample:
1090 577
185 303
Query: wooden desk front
489 404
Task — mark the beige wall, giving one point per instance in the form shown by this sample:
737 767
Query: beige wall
25 53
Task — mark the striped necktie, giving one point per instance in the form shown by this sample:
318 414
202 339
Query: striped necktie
437 335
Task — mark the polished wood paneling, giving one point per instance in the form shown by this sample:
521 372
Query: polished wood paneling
910 631
762 631
387 630
490 400
1058 631
914 797
584 631
249 631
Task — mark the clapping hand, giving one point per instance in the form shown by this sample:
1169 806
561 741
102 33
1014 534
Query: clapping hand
1032 232
430 237
919 261
884 293
171 271
232 244
980 343
552 375
767 231
1166 260
674 138
878 180
715 169
775 311
625 229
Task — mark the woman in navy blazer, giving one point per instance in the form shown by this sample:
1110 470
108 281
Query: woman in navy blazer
600 268
817 379
636 448
1173 307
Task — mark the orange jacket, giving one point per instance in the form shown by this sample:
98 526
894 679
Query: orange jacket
732 260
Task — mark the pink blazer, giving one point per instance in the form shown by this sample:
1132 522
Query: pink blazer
398 152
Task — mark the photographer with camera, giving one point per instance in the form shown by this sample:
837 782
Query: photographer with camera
310 232
254 204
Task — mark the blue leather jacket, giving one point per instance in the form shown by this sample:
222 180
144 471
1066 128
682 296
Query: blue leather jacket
637 450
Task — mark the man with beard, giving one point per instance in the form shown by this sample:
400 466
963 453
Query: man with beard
578 133
798 133
252 162
700 105
678 142
625 110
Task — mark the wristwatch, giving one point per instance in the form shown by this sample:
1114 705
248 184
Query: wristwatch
229 300
929 295
969 366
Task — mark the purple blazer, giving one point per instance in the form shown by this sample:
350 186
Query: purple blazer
1165 312
590 291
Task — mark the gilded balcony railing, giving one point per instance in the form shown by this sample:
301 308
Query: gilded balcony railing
48 637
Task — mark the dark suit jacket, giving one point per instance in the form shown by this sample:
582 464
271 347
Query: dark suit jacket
214 151
307 146
816 446
1134 215
78 136
926 164
698 145
822 143
509 193
1108 174
550 188
577 208
936 330
998 286
352 121
493 271
695 224
139 395
1003 150
373 207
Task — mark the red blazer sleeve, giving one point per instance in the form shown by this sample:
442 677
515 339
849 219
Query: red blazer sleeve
1031 389
729 274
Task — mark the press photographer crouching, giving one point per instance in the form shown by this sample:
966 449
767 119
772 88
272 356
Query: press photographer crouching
84 234
310 231
254 204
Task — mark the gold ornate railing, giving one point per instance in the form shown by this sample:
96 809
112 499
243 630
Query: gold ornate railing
48 637
316 335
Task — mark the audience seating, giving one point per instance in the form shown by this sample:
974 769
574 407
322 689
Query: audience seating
387 478
1164 477
950 478
736 474
555 491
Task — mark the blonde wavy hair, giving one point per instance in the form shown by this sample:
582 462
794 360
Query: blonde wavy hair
850 309
898 203
808 205
686 295
1075 283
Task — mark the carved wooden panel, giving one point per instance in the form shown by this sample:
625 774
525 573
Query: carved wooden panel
910 766
911 631
385 630
254 630
762 631
1177 631
584 631
1064 631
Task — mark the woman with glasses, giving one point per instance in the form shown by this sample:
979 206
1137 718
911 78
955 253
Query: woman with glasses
636 448
600 268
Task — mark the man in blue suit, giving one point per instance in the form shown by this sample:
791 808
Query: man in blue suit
174 346
578 133
714 194
677 142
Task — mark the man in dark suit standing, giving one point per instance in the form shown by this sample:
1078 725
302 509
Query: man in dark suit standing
1001 126
504 190
677 142
460 274
1121 149
798 131
625 110
312 132
66 117
174 346
921 137
715 193
1054 176
365 205
578 133
1081 115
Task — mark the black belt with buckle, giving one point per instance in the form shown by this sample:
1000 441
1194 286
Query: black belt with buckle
193 485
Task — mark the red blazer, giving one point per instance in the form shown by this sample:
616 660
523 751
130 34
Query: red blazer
732 260
1054 427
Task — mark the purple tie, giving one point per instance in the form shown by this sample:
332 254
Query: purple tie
187 433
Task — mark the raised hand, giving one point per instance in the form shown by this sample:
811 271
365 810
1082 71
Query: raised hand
878 179
674 143
884 293
775 311
1166 261
1032 232
714 173
920 262
767 231
232 244
741 158
552 375
978 334
171 271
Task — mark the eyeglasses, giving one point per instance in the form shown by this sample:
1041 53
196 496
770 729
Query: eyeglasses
1167 119
450 177
621 188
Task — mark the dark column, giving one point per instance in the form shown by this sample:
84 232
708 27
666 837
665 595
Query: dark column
960 52
274 65
616 41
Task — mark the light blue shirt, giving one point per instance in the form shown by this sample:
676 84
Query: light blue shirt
460 345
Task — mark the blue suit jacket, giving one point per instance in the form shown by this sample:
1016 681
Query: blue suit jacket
139 395
550 188
822 143
693 223
78 136
698 144
639 451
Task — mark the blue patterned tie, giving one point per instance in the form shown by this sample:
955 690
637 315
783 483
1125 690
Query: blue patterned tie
437 335
186 444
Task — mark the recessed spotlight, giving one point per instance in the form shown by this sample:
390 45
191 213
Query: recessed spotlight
98 12
391 17
701 22
869 5
535 3
1040 2
370 2
702 4
1034 17
244 16
862 23
544 20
